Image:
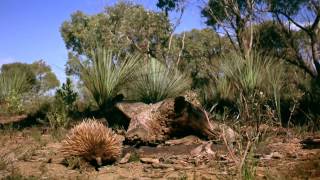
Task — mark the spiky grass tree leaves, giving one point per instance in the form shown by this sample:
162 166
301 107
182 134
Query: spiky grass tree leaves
157 82
108 74
256 72
12 82
12 86
253 84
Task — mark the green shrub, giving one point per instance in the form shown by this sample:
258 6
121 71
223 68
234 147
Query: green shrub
157 82
308 107
14 103
107 74
253 86
58 118
62 108
67 95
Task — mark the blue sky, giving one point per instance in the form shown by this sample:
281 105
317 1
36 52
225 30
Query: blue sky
30 28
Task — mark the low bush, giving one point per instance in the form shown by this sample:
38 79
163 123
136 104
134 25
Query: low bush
58 118
67 96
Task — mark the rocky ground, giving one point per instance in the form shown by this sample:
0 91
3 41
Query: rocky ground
33 153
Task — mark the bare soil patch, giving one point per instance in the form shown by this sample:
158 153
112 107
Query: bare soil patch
34 153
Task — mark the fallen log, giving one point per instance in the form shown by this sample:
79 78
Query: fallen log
311 143
156 123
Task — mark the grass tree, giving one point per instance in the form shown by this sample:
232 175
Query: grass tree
12 82
156 82
108 74
254 84
12 85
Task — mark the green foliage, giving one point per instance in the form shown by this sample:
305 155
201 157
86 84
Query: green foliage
67 95
123 28
14 103
270 39
289 7
204 44
157 82
12 86
30 76
233 17
38 75
63 106
12 81
58 117
108 74
273 39
215 12
249 74
45 78
306 48
253 86
198 51
169 5
308 106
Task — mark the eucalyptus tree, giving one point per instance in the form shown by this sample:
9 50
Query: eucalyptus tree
233 18
302 16
125 27
38 75
200 50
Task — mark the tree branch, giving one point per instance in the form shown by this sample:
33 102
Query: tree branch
292 20
316 22
180 53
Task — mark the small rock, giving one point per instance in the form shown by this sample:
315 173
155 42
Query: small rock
196 151
149 160
276 155
267 157
230 135
208 149
204 149
188 140
161 165
125 159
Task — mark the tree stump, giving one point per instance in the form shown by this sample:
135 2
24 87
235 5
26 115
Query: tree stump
156 123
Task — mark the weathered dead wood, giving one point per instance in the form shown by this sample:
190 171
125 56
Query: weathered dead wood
131 109
12 119
155 123
188 140
311 143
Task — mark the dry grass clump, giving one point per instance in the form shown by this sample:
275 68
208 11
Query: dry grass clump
93 141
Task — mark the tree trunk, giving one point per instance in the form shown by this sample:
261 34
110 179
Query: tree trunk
315 49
